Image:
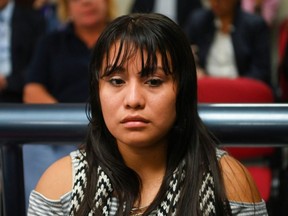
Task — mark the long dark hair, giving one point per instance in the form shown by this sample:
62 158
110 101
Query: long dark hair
190 141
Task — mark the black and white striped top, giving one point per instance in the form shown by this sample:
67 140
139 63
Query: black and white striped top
40 205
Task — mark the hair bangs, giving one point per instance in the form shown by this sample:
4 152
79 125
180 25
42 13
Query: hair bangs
137 39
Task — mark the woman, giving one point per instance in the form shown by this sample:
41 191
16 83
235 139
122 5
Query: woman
230 42
59 72
147 151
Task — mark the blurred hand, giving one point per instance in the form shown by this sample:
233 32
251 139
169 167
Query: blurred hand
194 49
3 83
37 93
200 72
38 4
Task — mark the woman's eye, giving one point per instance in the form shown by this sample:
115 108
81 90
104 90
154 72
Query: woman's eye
154 82
116 81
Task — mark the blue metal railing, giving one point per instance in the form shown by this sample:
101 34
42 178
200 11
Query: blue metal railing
233 124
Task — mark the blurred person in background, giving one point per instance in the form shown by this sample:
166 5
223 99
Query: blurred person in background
265 8
230 42
48 8
20 29
177 10
59 72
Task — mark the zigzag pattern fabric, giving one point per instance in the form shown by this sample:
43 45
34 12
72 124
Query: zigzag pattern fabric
206 195
104 192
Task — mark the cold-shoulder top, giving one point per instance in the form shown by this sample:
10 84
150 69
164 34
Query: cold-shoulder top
40 205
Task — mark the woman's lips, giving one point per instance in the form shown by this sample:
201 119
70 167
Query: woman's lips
134 122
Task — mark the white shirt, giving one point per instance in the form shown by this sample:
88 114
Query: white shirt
166 7
221 59
5 39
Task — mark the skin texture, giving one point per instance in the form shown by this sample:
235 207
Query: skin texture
238 182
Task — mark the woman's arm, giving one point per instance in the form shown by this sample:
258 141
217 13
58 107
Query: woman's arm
239 184
56 180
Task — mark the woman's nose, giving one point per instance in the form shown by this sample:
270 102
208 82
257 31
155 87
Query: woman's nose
135 96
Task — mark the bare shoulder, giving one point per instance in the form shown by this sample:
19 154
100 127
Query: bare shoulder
238 182
56 180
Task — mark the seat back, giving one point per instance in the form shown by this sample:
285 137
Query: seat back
282 44
241 90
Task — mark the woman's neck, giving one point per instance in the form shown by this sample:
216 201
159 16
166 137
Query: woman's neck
150 164
89 35
144 159
226 23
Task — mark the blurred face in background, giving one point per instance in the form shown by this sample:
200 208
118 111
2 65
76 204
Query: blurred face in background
3 3
223 8
87 13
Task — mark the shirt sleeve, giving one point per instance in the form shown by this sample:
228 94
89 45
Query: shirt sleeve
38 70
243 209
40 205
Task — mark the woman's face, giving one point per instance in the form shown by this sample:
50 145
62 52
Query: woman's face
138 111
223 7
86 13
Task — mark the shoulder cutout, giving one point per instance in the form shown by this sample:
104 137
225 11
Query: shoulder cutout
239 184
56 180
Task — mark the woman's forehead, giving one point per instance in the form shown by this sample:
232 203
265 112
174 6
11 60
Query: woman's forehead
122 56
122 50
119 53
